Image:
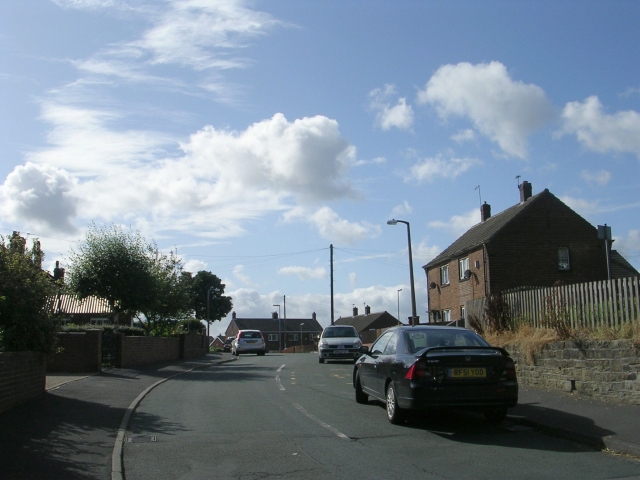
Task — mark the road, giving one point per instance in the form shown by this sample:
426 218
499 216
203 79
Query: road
289 417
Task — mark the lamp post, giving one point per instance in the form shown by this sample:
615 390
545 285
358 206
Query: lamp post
301 333
208 316
399 290
414 318
279 329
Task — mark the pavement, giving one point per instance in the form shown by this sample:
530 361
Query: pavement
76 430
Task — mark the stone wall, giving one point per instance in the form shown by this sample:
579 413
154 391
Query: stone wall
22 377
604 370
77 352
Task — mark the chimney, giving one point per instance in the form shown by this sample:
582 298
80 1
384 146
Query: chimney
367 310
233 315
313 316
58 273
355 311
525 191
274 315
485 212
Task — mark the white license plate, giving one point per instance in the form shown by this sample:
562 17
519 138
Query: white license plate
341 352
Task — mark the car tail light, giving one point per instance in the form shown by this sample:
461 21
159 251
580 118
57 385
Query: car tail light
510 369
418 371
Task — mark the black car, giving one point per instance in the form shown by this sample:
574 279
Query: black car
422 366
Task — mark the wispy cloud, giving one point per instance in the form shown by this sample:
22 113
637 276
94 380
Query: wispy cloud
429 169
389 114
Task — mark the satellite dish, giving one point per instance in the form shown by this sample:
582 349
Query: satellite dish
467 274
432 285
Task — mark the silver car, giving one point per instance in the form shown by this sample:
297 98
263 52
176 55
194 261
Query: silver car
339 342
248 341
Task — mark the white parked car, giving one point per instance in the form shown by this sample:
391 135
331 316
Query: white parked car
339 342
248 341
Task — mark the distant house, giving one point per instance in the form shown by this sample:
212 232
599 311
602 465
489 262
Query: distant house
88 311
369 324
278 333
216 342
539 242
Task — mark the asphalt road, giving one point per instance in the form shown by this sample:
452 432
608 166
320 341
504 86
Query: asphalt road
289 417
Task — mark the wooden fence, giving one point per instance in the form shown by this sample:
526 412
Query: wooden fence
583 305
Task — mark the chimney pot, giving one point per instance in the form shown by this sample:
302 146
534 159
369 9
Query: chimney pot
274 315
485 211
367 310
355 311
525 191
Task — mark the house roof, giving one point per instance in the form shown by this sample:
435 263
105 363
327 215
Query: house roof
271 324
72 305
483 232
366 322
620 268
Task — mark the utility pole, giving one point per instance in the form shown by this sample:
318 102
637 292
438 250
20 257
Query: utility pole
284 297
331 250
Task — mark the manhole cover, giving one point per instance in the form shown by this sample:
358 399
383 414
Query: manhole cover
142 439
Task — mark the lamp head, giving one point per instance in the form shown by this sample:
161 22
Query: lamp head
392 222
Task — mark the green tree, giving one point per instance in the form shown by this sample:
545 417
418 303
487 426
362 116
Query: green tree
26 292
219 304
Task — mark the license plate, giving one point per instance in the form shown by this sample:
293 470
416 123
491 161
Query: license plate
341 352
467 372
251 341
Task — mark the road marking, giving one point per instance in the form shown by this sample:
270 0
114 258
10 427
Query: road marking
278 377
321 423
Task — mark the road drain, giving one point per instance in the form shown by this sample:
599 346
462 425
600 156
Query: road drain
142 439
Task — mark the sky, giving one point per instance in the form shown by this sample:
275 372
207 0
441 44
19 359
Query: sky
253 135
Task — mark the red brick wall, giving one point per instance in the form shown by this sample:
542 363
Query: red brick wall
22 376
141 350
78 352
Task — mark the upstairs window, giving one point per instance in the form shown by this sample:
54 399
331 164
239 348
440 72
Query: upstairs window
463 264
563 258
444 275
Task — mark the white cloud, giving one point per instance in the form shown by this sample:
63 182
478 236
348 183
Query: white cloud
459 224
388 116
245 279
304 273
599 131
629 246
462 136
504 110
582 207
42 195
429 169
402 209
424 252
596 179
194 266
333 228
353 280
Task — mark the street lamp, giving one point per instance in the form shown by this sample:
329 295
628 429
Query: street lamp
414 318
208 316
301 333
399 290
279 329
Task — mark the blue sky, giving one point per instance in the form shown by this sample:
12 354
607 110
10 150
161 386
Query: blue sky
252 135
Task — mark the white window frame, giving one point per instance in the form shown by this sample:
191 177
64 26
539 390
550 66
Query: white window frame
564 260
463 311
463 266
444 275
446 316
273 337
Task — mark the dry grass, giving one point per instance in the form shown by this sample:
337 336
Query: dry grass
530 341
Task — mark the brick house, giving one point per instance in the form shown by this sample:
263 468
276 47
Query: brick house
539 242
278 333
369 325
88 311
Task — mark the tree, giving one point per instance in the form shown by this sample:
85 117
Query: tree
26 316
219 305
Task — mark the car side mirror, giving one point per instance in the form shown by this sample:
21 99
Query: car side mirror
364 350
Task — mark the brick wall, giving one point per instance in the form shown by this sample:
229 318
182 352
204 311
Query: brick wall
77 352
604 370
193 345
22 376
141 350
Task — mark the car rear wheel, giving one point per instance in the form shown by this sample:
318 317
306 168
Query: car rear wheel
394 412
361 397
496 415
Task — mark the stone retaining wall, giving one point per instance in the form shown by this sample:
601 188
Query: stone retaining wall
604 370
22 377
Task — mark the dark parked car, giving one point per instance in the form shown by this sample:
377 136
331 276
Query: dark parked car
418 367
227 345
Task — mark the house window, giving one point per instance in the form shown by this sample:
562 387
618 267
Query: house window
294 337
273 337
436 315
464 266
563 258
463 311
446 316
444 275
